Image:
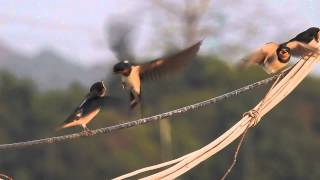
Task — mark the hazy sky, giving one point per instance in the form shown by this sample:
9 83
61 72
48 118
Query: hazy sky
75 27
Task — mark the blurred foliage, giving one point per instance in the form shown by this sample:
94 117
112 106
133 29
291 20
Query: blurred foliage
284 145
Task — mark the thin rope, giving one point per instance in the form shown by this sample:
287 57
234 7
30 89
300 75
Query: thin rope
236 154
110 129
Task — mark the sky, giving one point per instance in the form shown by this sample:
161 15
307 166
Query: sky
72 27
75 28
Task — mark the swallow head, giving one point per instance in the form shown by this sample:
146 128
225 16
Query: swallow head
99 89
283 53
123 67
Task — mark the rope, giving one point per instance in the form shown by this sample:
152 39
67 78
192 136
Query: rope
110 129
277 93
236 154
255 118
254 113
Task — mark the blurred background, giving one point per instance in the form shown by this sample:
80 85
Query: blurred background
52 51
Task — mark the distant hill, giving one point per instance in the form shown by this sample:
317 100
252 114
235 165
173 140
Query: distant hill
48 69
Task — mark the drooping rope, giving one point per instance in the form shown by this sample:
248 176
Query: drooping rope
276 94
140 121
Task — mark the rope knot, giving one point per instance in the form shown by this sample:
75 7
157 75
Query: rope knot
255 116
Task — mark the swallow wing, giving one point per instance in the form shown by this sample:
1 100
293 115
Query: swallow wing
299 49
306 36
266 53
257 57
81 110
162 66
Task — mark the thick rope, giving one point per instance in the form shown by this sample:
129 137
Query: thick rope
140 121
276 94
280 91
255 118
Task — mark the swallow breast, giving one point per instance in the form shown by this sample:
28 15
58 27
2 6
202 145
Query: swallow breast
133 80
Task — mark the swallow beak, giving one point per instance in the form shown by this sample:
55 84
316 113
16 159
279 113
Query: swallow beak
116 72
283 52
117 69
121 71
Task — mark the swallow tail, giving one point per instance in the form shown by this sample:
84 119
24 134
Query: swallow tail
64 125
59 128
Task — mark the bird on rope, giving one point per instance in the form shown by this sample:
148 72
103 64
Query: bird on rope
89 107
273 57
130 124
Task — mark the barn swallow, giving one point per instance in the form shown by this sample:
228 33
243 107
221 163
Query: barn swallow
310 36
273 57
132 75
88 108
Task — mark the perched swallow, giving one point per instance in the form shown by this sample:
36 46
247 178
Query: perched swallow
132 75
273 57
310 36
89 107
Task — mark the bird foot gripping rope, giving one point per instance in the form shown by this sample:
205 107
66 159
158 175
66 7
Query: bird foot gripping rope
279 90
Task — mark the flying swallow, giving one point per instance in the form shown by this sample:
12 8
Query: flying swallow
132 75
273 57
310 36
88 108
